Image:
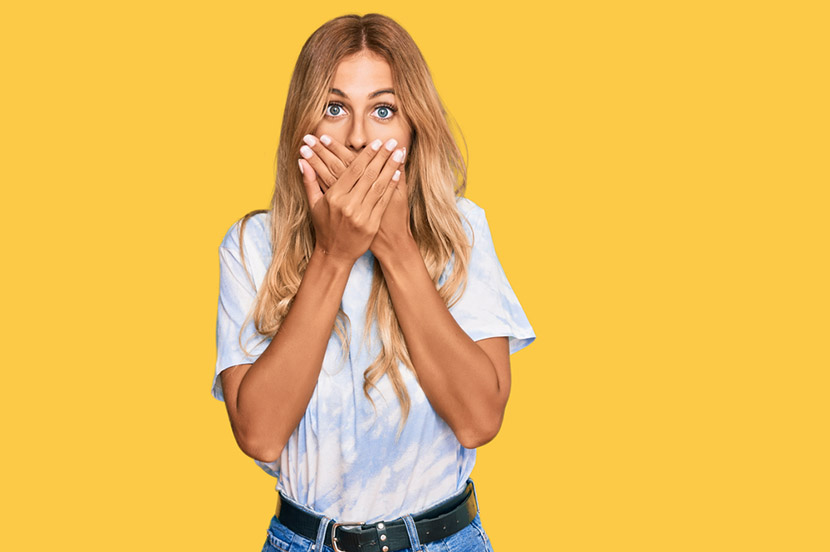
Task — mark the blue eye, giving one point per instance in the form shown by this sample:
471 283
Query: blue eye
334 109
385 111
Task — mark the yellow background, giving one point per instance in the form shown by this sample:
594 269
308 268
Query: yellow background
655 175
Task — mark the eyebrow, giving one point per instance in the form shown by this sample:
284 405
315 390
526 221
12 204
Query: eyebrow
339 92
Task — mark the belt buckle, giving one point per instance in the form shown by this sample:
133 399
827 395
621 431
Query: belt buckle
341 524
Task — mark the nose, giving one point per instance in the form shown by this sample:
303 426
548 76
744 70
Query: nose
356 139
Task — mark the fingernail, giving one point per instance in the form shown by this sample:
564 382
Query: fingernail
306 152
396 176
390 145
375 145
309 139
398 156
300 162
325 139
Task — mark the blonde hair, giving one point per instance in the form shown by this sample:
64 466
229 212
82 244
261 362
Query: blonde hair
436 176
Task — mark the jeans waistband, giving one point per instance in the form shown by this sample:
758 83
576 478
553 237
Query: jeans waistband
410 530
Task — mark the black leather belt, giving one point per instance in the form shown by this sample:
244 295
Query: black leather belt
436 523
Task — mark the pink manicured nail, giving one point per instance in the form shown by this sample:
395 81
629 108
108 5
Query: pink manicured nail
306 152
397 156
325 139
309 139
390 145
375 145
396 176
300 161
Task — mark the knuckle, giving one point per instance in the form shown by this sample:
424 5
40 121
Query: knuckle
354 170
371 173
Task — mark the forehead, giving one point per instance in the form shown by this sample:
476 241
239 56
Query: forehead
361 74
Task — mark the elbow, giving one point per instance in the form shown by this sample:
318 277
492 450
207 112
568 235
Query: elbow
266 453
263 450
479 434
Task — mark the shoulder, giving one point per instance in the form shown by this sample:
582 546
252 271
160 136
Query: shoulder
468 208
472 216
253 231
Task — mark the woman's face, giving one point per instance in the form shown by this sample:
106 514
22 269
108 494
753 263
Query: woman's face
362 106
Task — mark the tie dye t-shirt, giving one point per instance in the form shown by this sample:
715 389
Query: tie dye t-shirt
343 459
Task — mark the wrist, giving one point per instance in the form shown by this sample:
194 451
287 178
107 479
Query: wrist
332 262
398 253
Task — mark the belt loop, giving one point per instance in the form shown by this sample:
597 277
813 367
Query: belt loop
321 534
475 496
413 533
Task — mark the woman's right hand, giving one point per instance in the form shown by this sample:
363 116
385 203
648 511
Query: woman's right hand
347 216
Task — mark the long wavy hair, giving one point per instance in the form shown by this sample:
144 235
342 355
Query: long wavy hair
436 176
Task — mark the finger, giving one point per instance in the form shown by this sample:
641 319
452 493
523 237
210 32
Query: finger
374 170
402 186
335 165
340 150
310 183
393 167
323 173
354 171
385 198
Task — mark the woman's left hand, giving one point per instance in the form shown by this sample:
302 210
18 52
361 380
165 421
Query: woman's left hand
394 233
330 161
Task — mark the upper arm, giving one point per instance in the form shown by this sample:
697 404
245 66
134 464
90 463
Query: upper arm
231 379
489 307
498 351
238 341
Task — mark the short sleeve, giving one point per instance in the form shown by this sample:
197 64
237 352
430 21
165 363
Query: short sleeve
237 295
489 307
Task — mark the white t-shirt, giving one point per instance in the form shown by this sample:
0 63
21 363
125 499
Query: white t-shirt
343 460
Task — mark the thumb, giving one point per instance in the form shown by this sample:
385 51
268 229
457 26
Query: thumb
312 187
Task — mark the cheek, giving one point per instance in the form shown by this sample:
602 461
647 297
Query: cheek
403 134
385 132
406 130
335 131
404 140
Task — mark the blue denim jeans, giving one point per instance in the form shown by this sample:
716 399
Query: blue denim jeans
472 538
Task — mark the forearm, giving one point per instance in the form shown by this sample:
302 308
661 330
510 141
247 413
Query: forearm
457 376
275 391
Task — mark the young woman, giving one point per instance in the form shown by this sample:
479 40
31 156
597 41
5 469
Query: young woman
365 323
